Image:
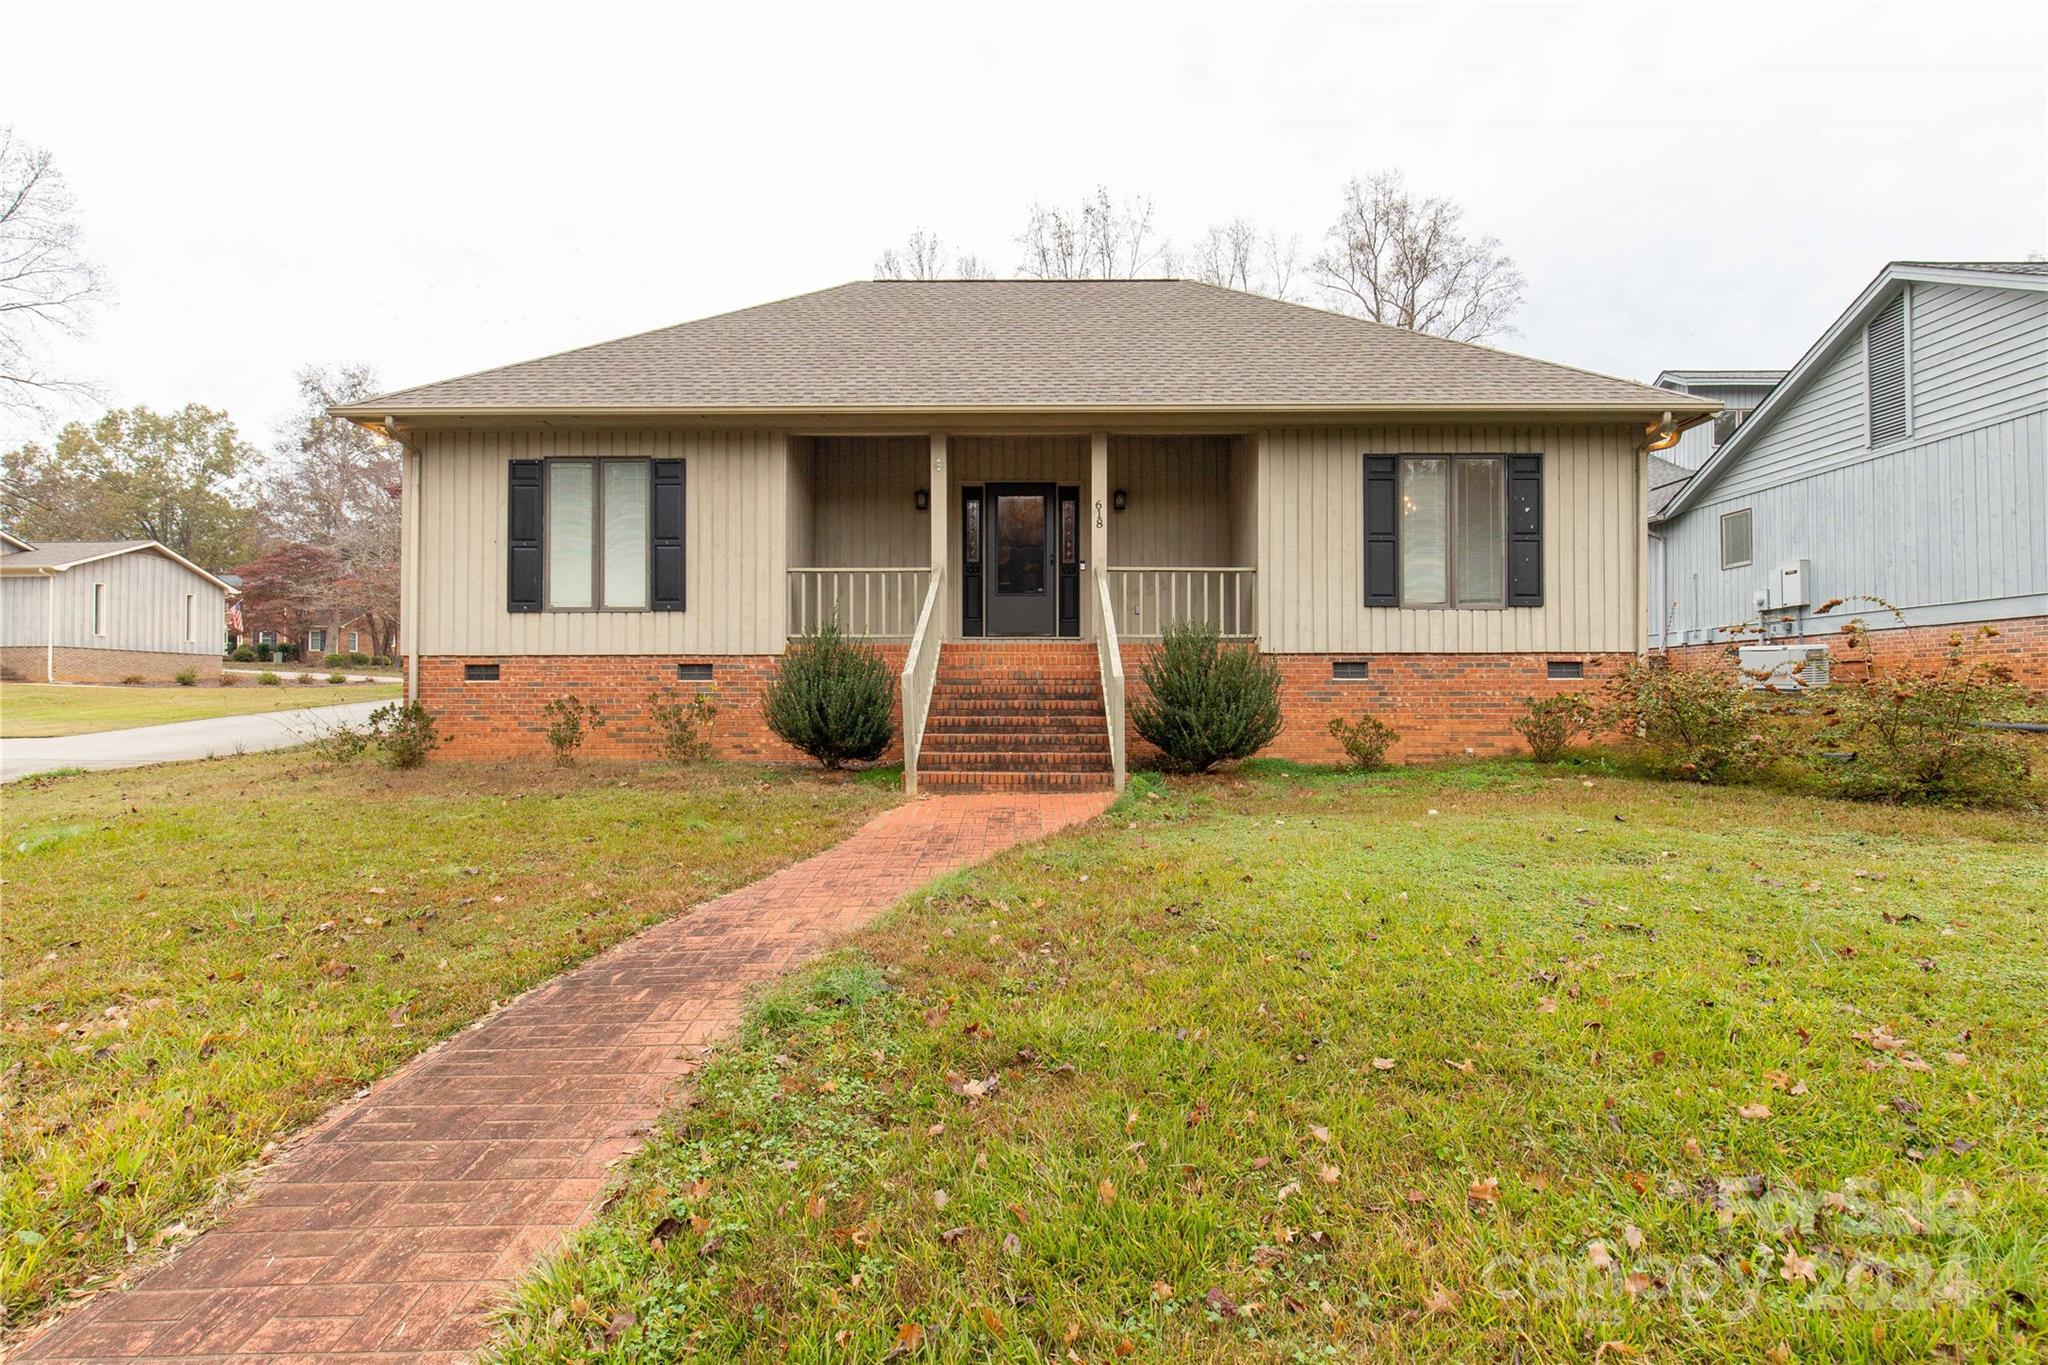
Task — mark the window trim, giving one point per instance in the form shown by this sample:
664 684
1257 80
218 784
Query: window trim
547 506
1451 601
1750 523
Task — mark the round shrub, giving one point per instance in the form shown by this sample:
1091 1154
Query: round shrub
1207 703
831 699
1365 740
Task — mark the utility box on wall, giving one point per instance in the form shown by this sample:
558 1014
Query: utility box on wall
1794 586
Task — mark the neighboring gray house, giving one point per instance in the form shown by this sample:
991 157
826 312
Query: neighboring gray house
1739 392
106 611
1904 457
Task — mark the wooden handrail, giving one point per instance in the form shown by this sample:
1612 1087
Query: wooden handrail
1111 656
920 674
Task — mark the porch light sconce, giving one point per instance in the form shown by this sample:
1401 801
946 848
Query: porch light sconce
1120 500
923 498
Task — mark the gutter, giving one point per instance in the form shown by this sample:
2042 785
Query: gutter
50 627
1698 409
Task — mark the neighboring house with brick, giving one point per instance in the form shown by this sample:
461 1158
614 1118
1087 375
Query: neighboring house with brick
106 611
1012 487
1905 457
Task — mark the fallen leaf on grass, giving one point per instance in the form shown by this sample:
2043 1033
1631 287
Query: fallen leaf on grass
1106 1192
1597 1256
1440 1300
1220 1304
1485 1191
1329 1175
1755 1111
1383 1064
1633 1236
1797 1267
909 1337
1161 1290
1546 1004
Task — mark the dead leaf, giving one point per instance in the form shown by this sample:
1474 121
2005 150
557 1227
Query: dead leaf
1161 1290
952 1235
1329 1175
1755 1111
1106 1192
1597 1256
909 1337
1319 1133
1633 1236
1485 1191
1797 1267
1220 1304
1546 1004
1383 1064
1440 1300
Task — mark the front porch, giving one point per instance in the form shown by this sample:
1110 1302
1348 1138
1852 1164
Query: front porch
1093 539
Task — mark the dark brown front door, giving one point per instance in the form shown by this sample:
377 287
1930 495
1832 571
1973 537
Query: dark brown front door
1022 584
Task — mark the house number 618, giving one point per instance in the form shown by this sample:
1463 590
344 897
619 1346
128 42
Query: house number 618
1098 512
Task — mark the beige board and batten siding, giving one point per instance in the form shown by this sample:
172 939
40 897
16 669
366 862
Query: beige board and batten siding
736 545
1311 500
1014 459
862 510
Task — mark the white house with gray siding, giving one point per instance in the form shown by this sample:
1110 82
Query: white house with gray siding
1905 457
107 611
1739 392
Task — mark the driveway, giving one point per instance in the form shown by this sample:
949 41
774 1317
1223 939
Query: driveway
390 1231
184 739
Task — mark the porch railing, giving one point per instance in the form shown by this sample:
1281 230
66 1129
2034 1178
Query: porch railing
1148 600
920 672
1111 656
874 604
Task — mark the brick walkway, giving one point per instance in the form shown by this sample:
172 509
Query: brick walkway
388 1233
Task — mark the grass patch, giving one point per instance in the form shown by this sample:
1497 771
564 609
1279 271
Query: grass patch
1300 1065
202 958
43 710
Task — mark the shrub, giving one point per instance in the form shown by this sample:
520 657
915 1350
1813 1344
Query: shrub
132 680
243 655
680 725
1918 736
1365 740
346 743
337 679
1551 723
1207 703
380 661
267 679
228 679
831 699
357 658
335 660
405 732
263 654
287 653
570 721
1699 723
188 677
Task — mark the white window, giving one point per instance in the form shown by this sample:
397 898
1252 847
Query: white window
1735 539
99 609
1453 533
316 642
191 618
597 526
355 642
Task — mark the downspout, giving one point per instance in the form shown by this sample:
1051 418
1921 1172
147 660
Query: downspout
50 628
408 559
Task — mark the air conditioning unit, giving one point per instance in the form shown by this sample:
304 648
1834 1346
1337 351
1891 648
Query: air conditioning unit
1783 668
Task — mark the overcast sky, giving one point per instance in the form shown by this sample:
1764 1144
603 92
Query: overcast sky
434 189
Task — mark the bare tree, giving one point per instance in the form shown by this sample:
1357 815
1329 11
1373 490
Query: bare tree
1100 240
922 258
1239 255
1407 262
47 287
973 267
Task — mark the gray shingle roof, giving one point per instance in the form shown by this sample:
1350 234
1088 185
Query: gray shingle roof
1027 344
55 554
1666 478
1985 267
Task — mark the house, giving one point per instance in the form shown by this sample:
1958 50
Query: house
1904 458
106 611
1739 392
1012 487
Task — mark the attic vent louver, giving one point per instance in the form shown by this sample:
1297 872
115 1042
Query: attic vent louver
1884 352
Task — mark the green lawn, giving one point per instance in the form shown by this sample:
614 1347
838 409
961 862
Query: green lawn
200 959
1497 1062
39 710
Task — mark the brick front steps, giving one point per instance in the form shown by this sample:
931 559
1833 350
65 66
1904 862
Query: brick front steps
1016 717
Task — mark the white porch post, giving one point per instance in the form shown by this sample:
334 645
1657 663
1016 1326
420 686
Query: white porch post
1098 509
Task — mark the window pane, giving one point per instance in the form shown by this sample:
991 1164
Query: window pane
1020 544
1423 540
1735 539
974 531
568 531
1480 560
625 534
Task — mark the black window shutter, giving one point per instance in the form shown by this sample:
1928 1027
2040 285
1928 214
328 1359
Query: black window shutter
1525 530
665 529
1382 531
522 536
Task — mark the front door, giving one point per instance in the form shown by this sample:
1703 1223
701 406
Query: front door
1022 587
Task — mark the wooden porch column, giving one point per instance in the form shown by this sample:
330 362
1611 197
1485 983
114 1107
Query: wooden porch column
942 505
1098 507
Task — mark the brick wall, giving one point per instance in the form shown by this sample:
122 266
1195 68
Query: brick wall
2021 644
1444 705
29 663
506 718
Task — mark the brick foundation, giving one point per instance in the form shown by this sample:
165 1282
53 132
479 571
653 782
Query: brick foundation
2021 644
505 718
32 663
1443 705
